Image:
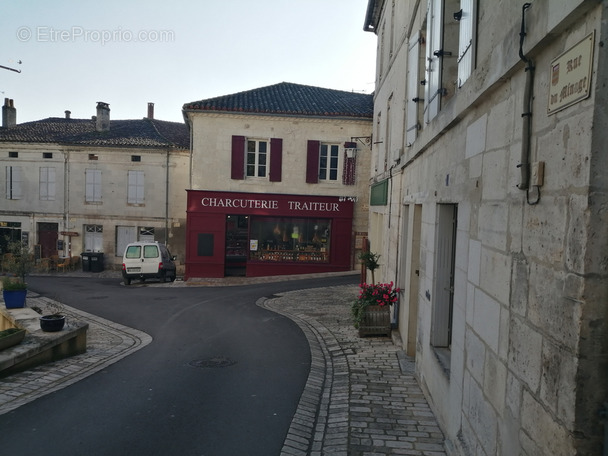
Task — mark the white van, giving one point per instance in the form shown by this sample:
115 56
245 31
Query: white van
145 260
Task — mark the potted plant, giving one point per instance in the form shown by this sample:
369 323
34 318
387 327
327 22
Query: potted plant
370 261
372 310
18 262
53 318
10 337
14 292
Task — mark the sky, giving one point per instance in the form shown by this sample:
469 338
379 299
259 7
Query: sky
127 53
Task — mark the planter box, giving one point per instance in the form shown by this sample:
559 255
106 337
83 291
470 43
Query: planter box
376 321
9 338
14 299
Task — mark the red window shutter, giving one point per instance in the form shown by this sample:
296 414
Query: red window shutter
312 162
276 159
350 165
348 174
238 158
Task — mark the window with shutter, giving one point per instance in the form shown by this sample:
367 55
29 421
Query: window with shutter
434 44
237 168
135 191
466 41
312 161
13 182
93 185
276 159
47 183
413 87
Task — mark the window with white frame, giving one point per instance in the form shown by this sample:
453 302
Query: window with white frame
328 162
93 186
47 183
135 187
450 50
93 238
14 182
257 158
413 100
467 17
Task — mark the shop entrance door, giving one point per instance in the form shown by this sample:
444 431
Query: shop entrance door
237 238
47 238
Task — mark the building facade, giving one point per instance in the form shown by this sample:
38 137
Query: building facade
73 186
486 205
278 181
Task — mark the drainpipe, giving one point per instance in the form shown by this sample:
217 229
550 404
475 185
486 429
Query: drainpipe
604 418
524 164
167 200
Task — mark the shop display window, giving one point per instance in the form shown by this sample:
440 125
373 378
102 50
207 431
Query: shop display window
288 239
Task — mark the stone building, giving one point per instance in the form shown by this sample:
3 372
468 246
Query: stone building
92 185
487 205
278 181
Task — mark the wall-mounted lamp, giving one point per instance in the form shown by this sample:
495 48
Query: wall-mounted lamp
458 15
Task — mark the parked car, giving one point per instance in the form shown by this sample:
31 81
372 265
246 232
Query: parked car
146 260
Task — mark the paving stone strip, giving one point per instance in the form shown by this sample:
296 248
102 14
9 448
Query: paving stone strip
107 342
361 397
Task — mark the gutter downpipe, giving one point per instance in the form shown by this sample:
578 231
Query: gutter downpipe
167 200
527 115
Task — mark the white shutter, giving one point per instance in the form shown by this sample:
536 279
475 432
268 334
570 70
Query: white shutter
135 192
93 185
124 236
14 179
466 46
47 184
412 90
434 37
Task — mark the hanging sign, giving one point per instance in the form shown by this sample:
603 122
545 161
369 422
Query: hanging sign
571 75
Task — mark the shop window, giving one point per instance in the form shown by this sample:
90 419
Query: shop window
284 239
257 158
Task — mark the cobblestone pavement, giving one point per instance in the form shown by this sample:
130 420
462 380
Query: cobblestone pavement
361 397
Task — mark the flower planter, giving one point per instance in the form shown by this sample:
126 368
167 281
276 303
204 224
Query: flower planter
52 323
376 320
14 299
10 337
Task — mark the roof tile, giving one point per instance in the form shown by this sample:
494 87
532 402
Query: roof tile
291 99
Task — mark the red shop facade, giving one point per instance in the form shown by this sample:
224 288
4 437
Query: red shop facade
261 234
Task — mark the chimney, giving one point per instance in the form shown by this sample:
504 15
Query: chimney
9 114
102 122
150 110
67 114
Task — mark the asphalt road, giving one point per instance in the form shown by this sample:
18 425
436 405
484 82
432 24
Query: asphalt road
221 377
